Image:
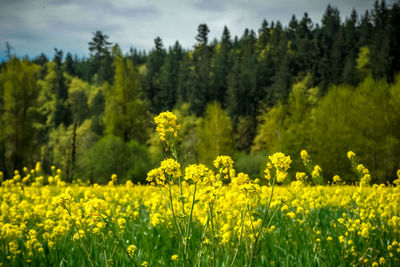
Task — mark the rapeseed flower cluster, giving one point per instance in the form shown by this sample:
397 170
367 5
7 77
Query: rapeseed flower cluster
281 164
167 126
169 171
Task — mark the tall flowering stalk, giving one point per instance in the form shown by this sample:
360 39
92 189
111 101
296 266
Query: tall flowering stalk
361 171
168 175
277 166
167 128
314 170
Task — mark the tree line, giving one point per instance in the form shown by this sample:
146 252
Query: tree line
280 88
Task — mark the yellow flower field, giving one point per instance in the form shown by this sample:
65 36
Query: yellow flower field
200 216
357 224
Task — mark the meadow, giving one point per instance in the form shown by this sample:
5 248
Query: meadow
200 216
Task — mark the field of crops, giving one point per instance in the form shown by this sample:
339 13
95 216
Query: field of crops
197 216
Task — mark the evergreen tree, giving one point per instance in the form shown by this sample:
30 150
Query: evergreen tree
364 29
380 45
394 40
138 57
200 94
152 79
350 50
101 59
326 39
60 89
96 108
266 67
221 63
202 35
281 79
185 79
242 80
69 65
42 60
166 97
303 47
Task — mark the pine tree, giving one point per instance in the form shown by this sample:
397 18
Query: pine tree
152 79
380 45
69 65
200 94
185 79
166 97
221 63
62 113
96 108
327 41
394 33
351 50
266 67
101 59
242 81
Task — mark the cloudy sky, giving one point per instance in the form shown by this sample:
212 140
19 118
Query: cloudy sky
35 26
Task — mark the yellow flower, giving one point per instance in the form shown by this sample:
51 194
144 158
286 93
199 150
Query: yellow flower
169 168
350 155
197 172
280 176
316 172
224 164
292 215
131 250
280 161
360 168
267 174
304 155
114 178
301 176
174 257
166 126
336 179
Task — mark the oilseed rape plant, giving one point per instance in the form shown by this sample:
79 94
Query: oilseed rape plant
198 215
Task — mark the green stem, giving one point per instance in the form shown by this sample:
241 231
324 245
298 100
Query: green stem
190 220
173 211
118 239
181 199
202 238
213 231
258 249
174 152
252 256
240 237
80 239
